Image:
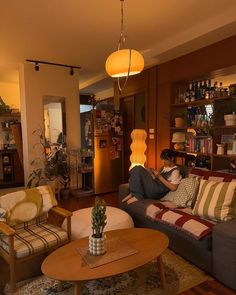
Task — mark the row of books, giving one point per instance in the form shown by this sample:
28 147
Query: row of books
201 145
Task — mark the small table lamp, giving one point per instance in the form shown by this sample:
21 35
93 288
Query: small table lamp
178 138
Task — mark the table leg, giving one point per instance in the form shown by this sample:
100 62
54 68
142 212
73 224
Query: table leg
161 271
78 288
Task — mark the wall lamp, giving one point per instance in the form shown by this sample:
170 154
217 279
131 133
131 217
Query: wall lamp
37 62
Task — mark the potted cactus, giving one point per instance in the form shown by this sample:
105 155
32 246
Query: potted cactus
97 240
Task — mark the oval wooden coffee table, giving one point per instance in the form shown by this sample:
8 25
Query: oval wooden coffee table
66 264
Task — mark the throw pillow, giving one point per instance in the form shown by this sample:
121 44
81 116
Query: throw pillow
216 200
185 193
25 205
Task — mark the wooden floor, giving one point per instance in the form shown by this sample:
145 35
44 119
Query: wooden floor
210 287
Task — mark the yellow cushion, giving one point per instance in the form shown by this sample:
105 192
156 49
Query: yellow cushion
25 205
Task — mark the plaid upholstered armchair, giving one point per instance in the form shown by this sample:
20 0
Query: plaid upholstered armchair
24 228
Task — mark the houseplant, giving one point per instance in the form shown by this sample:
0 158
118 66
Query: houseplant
51 165
57 166
97 240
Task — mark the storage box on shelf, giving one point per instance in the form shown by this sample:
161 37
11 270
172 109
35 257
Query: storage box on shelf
205 124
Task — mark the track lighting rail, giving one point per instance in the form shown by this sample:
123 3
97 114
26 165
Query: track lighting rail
52 63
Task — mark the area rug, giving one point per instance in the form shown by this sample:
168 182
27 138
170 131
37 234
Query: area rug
180 276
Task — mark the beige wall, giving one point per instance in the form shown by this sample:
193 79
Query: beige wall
48 81
10 94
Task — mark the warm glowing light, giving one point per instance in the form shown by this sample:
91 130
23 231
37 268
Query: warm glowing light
124 62
138 147
178 138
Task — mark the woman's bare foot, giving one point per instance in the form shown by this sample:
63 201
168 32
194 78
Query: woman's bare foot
132 200
129 196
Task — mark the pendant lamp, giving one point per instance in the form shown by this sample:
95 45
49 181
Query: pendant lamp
124 62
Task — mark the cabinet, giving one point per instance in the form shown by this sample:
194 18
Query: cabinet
11 172
11 155
203 127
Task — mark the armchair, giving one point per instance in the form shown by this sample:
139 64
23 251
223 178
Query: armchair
24 228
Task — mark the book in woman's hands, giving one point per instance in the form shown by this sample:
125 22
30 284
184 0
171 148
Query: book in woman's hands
153 172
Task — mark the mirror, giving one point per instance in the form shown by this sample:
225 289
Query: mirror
54 120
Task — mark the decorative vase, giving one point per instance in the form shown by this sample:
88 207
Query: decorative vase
179 122
220 149
97 246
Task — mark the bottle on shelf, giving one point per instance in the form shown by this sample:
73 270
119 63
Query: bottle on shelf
208 91
215 90
199 93
221 90
192 92
187 94
202 87
234 145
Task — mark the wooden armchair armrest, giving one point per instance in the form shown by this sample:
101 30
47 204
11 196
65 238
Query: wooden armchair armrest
6 229
62 212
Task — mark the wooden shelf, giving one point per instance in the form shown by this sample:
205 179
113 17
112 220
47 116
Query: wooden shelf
201 102
10 115
224 156
202 128
196 153
224 127
220 107
189 127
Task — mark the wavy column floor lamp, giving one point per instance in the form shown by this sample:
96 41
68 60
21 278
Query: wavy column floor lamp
124 62
138 147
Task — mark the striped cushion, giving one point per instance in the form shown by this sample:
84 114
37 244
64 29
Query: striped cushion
36 238
216 200
191 225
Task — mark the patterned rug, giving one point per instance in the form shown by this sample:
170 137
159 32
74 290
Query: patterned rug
180 275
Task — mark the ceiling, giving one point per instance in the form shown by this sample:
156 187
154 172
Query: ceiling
84 32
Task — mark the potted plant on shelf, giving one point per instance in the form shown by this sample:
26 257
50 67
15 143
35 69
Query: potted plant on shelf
97 240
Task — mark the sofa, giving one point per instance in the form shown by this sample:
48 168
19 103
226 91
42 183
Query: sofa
215 252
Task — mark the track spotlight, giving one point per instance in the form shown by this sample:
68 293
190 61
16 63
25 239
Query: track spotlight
36 67
37 62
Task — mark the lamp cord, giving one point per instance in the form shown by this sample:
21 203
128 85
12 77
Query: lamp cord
121 45
122 36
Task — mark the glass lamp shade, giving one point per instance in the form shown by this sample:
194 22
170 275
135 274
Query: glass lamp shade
138 147
178 137
117 63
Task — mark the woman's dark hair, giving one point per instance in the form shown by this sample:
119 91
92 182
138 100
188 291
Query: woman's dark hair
168 154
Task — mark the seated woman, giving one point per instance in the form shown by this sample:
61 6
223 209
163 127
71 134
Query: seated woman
153 184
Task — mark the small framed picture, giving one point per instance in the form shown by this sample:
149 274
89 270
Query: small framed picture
227 138
102 143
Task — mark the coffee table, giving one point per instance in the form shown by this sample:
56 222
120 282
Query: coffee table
66 264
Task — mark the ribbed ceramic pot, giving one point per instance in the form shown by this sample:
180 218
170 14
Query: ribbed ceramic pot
97 246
